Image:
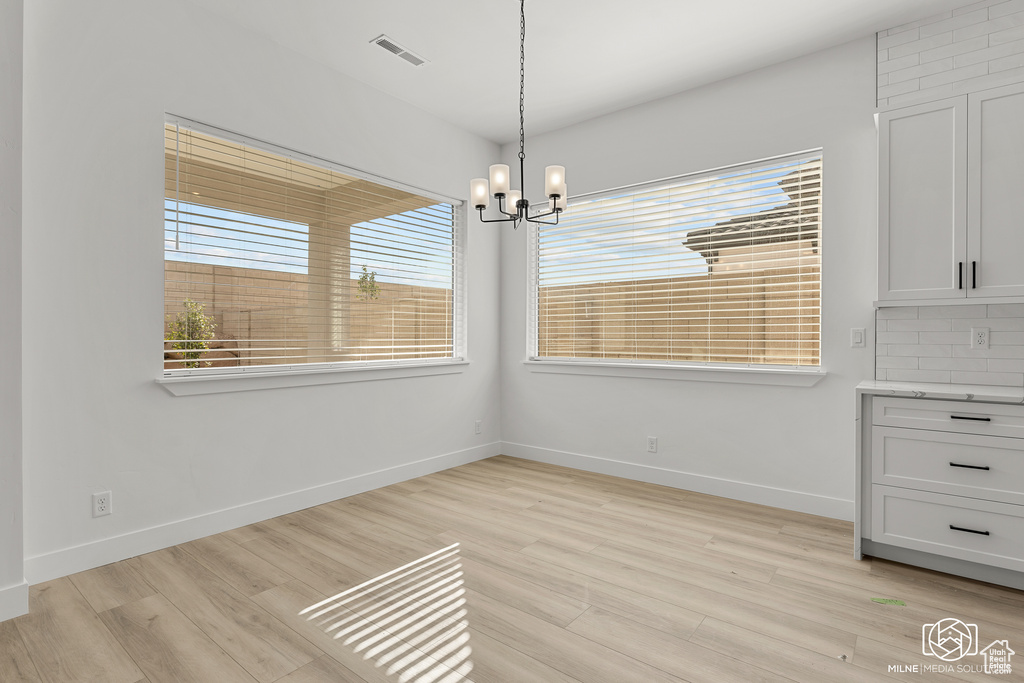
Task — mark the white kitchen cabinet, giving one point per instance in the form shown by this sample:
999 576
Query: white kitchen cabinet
977 531
995 198
941 483
922 200
951 205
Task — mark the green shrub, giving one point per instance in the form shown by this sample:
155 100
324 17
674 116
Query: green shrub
368 287
191 330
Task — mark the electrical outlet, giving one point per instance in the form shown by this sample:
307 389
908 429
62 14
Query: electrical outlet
479 426
101 504
979 338
652 444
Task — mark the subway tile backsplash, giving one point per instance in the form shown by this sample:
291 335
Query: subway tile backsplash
933 344
960 51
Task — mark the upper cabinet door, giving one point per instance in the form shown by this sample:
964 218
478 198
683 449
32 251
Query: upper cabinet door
996 192
922 201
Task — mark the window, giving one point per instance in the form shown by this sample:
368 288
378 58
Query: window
276 259
718 268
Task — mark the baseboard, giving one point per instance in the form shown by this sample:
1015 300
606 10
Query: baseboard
798 501
98 553
13 601
948 565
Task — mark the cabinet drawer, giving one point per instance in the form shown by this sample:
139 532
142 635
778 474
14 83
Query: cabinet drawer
989 467
965 528
963 417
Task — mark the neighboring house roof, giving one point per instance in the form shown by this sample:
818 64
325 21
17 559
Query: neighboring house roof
797 220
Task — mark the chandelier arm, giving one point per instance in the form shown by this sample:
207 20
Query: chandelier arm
502 209
512 217
534 218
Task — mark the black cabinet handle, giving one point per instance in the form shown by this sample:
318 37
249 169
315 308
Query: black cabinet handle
960 275
970 531
970 467
974 274
968 417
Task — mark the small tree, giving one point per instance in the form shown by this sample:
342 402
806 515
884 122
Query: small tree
191 330
368 287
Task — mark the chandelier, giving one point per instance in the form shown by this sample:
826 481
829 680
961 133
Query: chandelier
511 204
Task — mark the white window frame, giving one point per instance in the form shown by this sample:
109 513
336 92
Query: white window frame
187 382
738 373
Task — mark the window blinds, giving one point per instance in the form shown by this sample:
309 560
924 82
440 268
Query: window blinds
720 267
276 259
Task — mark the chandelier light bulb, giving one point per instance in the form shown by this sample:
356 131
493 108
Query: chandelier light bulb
499 179
512 199
554 181
478 192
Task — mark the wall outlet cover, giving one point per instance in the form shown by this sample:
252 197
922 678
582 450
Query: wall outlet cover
979 338
101 504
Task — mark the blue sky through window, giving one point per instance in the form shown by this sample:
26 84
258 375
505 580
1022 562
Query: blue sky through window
194 233
414 247
640 234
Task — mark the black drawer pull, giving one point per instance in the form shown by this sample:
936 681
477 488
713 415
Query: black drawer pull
970 531
968 417
960 275
970 467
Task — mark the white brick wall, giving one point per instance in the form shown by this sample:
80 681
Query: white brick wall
933 344
969 49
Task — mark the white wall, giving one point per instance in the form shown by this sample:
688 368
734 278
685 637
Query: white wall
786 446
13 589
99 77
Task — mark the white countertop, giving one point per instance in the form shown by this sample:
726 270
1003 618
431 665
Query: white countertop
953 392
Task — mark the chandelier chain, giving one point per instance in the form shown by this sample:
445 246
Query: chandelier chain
522 80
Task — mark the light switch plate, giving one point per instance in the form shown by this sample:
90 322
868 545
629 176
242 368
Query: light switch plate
857 338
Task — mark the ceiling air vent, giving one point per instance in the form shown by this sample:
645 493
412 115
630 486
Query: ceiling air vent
399 51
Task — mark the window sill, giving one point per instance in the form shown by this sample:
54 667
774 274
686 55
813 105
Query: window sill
744 374
259 378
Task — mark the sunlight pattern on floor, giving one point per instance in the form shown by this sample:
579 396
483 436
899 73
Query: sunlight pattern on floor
410 621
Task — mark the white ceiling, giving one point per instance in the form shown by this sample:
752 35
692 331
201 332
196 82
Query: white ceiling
584 58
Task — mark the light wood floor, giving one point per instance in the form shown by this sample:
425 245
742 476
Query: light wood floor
504 570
